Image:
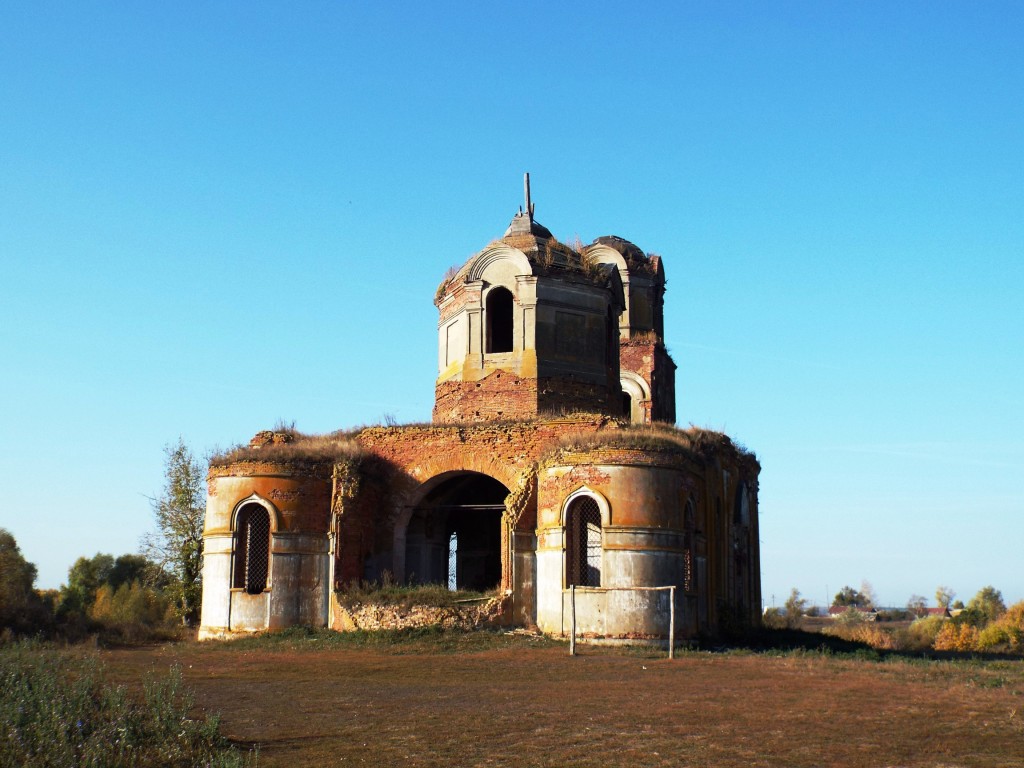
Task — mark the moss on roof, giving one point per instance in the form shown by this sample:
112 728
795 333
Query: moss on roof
289 446
696 443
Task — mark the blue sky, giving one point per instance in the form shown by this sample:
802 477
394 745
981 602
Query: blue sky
214 216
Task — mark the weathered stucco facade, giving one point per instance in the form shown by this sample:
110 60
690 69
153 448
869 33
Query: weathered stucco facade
551 469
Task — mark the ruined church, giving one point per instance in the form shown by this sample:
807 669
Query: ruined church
552 474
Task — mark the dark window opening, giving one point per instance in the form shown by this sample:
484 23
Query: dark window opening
627 405
499 320
252 549
454 535
583 547
741 509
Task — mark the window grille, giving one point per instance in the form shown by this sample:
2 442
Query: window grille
583 551
453 561
688 564
252 549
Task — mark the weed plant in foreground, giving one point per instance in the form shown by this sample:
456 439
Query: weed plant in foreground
56 709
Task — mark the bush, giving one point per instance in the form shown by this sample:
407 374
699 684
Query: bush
920 635
1006 633
56 709
130 604
861 631
957 637
851 616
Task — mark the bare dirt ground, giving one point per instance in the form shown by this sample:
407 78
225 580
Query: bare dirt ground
527 703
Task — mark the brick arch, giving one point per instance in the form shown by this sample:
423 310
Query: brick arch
421 478
469 460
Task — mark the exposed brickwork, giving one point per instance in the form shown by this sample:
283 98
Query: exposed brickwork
503 395
649 360
373 616
301 493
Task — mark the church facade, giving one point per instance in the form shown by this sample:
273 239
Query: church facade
552 472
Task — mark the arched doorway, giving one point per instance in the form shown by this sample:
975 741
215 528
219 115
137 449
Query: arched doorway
453 536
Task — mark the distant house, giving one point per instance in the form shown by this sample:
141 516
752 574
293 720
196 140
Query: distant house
940 611
868 614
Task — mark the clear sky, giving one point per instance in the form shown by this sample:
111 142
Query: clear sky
217 215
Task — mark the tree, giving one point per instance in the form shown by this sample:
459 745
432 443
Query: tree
89 574
988 604
177 544
795 607
944 596
20 606
86 576
918 605
848 596
131 568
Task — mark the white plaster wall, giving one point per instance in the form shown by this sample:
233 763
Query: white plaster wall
216 587
549 591
249 613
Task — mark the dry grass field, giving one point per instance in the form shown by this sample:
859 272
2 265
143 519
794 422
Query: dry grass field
510 700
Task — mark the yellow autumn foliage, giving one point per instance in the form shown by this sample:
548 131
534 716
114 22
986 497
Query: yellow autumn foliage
957 637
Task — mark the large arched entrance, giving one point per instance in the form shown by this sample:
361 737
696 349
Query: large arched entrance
454 534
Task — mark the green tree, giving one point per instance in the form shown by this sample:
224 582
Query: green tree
177 544
944 596
131 568
795 608
988 604
89 574
21 610
848 596
85 576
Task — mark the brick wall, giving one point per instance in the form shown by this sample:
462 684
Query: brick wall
503 395
651 361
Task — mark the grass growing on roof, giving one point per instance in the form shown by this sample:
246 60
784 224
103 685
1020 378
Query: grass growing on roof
332 447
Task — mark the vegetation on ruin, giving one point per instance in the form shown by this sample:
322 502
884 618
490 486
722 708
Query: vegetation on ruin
294 447
696 443
387 592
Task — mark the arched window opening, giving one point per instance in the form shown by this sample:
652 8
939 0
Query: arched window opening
252 549
583 547
499 320
741 511
635 398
